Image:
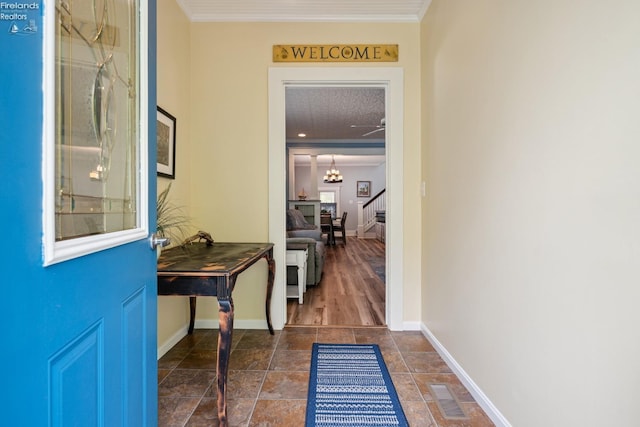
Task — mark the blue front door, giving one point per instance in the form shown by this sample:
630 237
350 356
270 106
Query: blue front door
79 336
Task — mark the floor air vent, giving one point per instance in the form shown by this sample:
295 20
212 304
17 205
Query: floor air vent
448 404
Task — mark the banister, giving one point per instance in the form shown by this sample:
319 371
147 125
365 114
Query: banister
374 198
367 212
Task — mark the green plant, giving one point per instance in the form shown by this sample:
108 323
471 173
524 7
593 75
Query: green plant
171 221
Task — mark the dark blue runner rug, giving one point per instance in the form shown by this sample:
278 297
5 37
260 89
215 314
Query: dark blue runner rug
350 386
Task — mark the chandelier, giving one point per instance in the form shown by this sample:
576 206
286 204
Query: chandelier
333 175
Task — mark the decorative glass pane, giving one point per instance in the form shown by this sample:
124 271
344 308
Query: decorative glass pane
96 117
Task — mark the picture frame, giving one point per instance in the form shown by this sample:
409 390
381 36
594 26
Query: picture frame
166 144
363 188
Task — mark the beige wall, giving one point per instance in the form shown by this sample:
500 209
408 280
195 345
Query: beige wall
229 116
174 96
222 106
531 242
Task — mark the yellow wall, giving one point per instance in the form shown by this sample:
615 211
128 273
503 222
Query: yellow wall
229 117
531 243
213 77
174 96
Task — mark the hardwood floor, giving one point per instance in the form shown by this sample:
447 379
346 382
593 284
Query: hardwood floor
350 293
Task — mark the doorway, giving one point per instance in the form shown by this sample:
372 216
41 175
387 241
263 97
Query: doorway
344 125
392 80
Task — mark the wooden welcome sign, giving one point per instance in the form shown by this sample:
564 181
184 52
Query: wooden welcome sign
336 53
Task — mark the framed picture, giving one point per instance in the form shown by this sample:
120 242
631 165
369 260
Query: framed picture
166 139
364 189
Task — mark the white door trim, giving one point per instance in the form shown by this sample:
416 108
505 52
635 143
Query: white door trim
392 80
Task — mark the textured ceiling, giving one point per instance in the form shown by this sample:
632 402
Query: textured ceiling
344 121
304 10
335 114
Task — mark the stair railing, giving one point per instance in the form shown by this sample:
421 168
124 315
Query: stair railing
367 213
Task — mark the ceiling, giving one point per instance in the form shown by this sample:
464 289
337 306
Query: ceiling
342 160
335 114
347 122
304 10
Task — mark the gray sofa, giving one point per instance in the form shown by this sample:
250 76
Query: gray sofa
303 232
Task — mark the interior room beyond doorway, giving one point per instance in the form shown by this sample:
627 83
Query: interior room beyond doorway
347 123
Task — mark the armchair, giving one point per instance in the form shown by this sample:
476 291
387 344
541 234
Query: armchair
315 257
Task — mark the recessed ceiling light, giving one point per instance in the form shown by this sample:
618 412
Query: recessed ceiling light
302 135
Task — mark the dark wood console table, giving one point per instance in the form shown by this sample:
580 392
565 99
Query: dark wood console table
199 270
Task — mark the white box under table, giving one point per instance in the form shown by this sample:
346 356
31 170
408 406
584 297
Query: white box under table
297 257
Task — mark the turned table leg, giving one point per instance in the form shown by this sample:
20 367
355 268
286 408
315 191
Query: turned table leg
192 312
225 315
270 278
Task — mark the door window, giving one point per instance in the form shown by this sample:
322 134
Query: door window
98 120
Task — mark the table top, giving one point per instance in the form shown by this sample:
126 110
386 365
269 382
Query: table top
219 259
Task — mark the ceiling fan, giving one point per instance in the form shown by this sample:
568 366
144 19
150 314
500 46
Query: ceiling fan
378 128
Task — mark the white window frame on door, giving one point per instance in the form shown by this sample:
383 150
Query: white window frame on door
58 251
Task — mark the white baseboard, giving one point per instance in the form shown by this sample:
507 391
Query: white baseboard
173 340
489 408
411 326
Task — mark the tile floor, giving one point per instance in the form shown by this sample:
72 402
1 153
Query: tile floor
269 376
